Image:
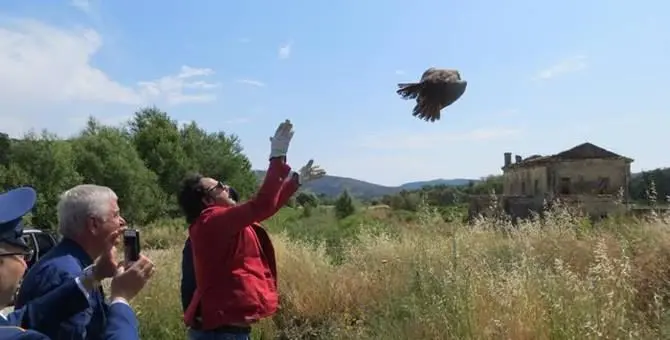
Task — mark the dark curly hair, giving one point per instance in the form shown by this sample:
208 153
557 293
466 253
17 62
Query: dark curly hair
190 196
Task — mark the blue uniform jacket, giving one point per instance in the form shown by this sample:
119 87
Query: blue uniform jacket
39 314
60 265
121 325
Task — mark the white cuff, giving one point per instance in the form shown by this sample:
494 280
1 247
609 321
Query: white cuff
120 300
77 280
277 153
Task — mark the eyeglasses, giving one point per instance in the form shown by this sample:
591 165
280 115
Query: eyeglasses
218 185
26 255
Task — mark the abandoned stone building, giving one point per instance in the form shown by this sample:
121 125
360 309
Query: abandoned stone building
586 176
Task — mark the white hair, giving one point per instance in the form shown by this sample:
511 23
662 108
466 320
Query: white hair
77 204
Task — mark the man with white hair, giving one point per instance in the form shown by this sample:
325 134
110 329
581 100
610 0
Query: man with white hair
87 215
68 299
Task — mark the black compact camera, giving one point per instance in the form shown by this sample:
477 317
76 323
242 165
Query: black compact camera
131 245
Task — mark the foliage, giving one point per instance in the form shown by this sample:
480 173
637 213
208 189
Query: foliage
143 162
427 279
344 205
442 195
407 269
643 182
452 201
305 199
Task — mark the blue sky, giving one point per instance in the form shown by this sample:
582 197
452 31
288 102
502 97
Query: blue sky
543 76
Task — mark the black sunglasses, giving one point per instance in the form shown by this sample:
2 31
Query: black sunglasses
27 255
218 185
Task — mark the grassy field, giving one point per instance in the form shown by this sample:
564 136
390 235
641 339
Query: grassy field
384 275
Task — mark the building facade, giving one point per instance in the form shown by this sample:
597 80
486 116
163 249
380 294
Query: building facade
586 175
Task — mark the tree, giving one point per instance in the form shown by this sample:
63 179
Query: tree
45 163
219 156
105 156
344 205
307 199
5 144
641 184
143 162
157 140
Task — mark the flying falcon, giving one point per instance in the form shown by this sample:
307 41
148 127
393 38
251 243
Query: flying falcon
437 89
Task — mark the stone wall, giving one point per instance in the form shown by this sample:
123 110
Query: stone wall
525 181
586 175
513 206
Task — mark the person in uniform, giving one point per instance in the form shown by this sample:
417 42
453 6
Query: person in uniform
87 216
68 299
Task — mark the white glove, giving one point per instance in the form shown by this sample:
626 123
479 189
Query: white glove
281 140
310 172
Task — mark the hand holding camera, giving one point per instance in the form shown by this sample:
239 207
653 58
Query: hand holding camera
135 271
105 266
130 279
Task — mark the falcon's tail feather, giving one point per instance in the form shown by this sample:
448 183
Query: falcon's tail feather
409 90
427 111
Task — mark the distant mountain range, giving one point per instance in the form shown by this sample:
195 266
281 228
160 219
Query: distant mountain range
332 186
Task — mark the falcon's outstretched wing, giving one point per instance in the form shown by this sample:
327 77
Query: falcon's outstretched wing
437 89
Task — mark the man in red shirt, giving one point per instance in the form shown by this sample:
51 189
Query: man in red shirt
234 261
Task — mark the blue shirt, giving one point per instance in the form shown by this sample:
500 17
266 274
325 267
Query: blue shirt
188 284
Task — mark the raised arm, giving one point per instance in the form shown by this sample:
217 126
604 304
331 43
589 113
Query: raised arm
309 172
260 207
265 203
288 188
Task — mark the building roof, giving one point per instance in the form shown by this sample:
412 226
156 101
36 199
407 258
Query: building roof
581 151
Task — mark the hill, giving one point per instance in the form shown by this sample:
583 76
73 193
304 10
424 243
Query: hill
440 181
332 186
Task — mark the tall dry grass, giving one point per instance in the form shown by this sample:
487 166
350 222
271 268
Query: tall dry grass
561 279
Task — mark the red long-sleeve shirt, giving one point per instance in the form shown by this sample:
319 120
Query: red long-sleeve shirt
234 259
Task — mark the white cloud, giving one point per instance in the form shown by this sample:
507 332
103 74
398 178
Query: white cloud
47 80
82 5
423 141
171 89
399 72
570 65
285 51
44 62
251 82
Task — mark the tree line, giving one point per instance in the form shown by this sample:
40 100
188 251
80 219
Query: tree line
442 195
142 160
644 186
651 185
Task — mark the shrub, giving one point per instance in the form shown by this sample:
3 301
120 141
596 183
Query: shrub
344 206
435 280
